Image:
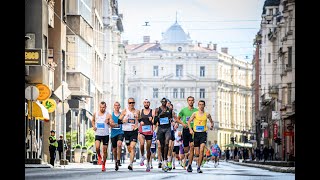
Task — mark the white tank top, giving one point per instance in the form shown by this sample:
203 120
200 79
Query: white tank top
177 141
131 121
101 125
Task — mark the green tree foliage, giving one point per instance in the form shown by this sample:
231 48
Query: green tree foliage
74 138
90 137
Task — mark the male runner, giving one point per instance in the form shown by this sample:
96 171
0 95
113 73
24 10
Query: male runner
100 124
187 138
200 131
129 117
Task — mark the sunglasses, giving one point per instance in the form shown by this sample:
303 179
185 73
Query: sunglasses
131 102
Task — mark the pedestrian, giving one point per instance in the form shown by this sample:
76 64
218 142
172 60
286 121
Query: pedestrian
227 154
265 153
61 144
271 153
53 144
100 124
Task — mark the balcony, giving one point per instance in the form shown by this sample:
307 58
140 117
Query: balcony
78 84
273 91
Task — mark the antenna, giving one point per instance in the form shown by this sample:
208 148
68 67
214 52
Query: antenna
146 23
176 16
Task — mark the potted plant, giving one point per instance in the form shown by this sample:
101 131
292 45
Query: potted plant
84 153
90 154
77 153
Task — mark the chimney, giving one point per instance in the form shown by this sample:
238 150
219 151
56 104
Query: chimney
146 39
215 47
125 42
224 50
210 46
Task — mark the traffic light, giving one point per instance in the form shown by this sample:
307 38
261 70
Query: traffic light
278 141
245 139
232 139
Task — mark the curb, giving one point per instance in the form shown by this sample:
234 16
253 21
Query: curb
38 166
271 168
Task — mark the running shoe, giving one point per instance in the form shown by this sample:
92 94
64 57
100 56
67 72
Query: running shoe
199 170
130 167
189 168
103 167
142 161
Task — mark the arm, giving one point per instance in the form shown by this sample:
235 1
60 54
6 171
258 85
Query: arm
156 117
108 117
189 121
93 122
178 120
211 121
138 116
121 119
153 115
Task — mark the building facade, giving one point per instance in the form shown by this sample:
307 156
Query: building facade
276 41
176 68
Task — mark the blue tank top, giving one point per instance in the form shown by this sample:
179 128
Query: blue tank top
116 130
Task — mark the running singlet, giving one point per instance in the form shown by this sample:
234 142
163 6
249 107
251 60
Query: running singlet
101 125
146 129
215 150
185 114
200 122
118 128
131 121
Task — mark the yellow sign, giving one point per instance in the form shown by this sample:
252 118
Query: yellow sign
33 57
44 92
50 104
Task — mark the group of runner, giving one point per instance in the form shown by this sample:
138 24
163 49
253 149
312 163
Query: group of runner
157 132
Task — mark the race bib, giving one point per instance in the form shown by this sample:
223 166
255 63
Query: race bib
131 121
117 126
199 128
153 146
187 118
164 120
100 125
146 128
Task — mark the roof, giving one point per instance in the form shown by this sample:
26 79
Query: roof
175 34
270 3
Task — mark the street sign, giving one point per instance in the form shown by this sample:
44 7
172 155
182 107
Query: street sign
276 115
62 92
31 93
44 92
59 107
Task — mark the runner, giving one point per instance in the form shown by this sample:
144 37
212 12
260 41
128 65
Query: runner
146 132
215 149
200 131
100 124
177 142
171 141
163 117
153 145
187 138
129 119
116 135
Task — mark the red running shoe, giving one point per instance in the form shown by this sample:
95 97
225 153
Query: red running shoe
103 167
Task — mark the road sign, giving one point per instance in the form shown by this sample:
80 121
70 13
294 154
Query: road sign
31 93
276 115
59 108
62 92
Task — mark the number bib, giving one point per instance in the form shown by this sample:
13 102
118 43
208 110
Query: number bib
146 128
187 118
100 125
128 126
117 126
131 121
199 128
164 120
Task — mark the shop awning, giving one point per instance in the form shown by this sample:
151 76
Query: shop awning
38 111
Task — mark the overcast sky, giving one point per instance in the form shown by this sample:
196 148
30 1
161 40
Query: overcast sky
227 23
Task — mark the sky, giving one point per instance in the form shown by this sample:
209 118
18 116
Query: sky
227 23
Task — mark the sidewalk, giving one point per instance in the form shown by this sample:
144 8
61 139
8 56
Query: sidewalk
268 167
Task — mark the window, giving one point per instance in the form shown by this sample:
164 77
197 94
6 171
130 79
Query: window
202 71
289 93
155 70
175 93
289 57
182 93
155 92
269 57
270 11
179 69
202 93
